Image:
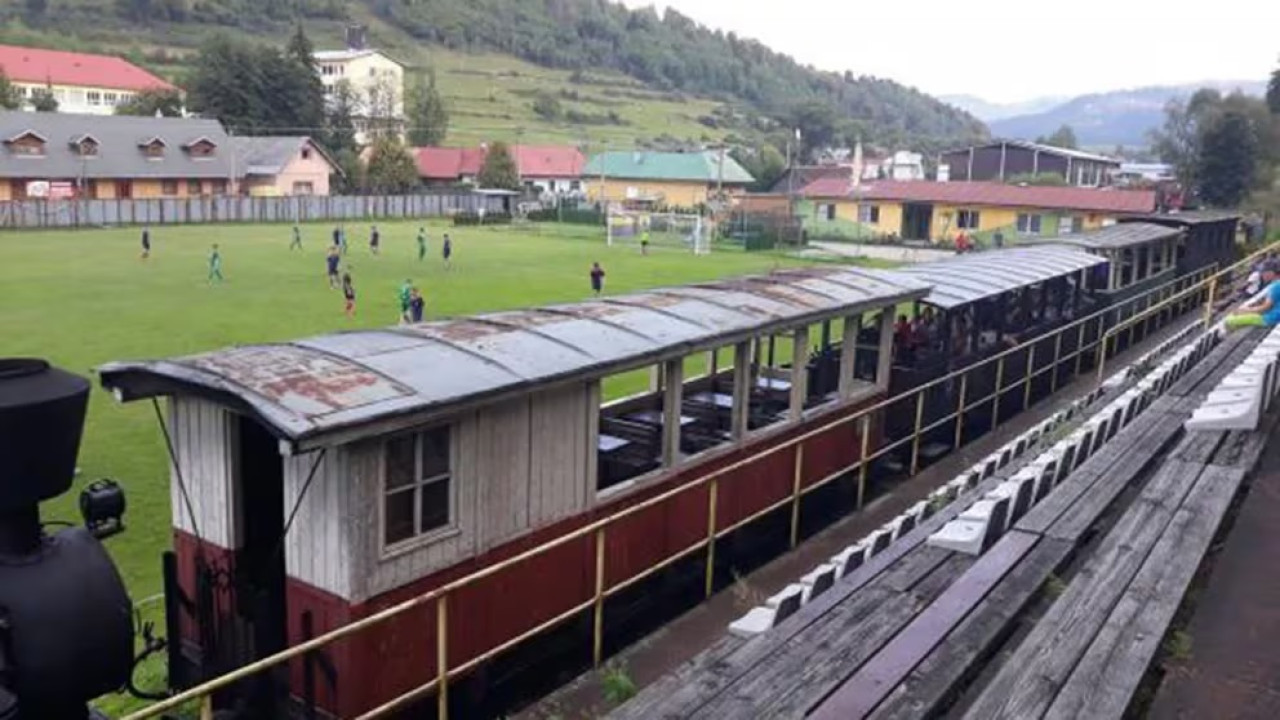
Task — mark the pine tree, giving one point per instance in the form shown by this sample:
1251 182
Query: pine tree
340 126
428 117
1227 160
499 170
1273 92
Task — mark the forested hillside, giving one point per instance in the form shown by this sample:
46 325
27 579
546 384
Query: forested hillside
764 90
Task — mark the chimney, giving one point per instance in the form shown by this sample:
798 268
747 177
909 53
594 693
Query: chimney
357 37
857 163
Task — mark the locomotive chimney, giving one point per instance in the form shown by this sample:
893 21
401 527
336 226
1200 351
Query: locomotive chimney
42 412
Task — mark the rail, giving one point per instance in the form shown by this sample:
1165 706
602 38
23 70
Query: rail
598 529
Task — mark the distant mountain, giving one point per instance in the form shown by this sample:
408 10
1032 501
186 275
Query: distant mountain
1123 117
989 111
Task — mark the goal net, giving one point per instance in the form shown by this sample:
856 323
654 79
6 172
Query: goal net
662 230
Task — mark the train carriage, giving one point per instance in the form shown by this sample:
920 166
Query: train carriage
319 481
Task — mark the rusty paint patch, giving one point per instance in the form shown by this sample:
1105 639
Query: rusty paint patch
461 330
304 381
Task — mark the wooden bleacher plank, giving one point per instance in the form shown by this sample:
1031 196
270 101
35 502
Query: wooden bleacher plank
1105 680
860 694
1029 680
929 686
816 661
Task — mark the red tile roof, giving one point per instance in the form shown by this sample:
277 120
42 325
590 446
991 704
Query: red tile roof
34 65
989 193
533 161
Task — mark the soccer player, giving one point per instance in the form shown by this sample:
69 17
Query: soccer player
597 278
373 239
416 305
146 242
644 241
342 237
348 294
447 249
215 264
406 295
422 243
337 237
297 238
331 260
1264 312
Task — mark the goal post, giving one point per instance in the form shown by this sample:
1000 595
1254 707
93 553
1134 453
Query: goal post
683 231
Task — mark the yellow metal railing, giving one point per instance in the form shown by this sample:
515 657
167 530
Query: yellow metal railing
598 529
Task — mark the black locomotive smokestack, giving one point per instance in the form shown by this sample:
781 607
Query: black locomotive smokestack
42 412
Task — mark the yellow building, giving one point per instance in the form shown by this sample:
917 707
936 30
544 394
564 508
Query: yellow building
940 211
375 80
663 179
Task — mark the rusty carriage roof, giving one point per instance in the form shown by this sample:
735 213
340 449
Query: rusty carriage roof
964 279
361 383
1114 237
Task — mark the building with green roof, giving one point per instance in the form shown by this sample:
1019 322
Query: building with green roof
663 179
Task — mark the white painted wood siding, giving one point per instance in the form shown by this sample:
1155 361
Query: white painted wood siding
204 447
316 547
517 466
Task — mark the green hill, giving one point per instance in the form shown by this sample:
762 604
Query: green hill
621 76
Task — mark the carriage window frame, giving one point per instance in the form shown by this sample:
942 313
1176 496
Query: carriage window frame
418 484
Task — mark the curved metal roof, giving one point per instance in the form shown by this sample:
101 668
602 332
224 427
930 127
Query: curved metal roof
964 279
1115 237
348 382
1186 218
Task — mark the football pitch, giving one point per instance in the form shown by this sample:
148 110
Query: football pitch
81 298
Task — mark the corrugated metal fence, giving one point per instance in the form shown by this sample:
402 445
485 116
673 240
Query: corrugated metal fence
70 213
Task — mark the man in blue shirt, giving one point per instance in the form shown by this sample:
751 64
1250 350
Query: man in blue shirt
1264 312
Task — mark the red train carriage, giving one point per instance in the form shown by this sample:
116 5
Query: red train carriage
317 482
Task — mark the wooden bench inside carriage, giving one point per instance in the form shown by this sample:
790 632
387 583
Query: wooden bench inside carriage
902 635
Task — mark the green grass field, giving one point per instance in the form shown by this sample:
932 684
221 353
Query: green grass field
81 298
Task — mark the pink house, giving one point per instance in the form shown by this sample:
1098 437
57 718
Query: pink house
282 165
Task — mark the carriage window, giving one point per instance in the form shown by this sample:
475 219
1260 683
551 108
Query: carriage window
1126 267
1143 254
1157 259
416 485
629 441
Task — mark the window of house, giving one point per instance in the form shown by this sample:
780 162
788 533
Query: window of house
1070 224
826 211
193 187
1029 224
869 214
110 99
93 97
306 153
575 185
29 145
168 187
88 147
968 219
201 149
153 149
303 188
219 187
416 497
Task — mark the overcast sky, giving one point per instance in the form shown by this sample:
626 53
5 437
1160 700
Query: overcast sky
1007 50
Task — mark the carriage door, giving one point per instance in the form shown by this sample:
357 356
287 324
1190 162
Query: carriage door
260 596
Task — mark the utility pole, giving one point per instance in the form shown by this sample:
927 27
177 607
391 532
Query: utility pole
720 174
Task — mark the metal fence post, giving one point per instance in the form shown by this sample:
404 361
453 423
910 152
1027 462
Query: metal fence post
964 388
795 494
1031 373
1057 355
442 657
1208 305
1079 347
862 458
711 535
597 631
995 398
915 435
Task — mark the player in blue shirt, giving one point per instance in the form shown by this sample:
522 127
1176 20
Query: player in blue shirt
146 242
1264 312
374 238
331 263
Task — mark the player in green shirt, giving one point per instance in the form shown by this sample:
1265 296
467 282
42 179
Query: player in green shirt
215 264
422 244
406 295
297 238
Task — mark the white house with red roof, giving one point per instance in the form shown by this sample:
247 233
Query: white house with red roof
81 83
555 169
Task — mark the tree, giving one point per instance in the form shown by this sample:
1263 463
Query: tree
349 177
1177 142
34 12
1273 92
305 85
9 97
149 103
1063 137
548 107
390 168
42 100
340 127
499 169
764 163
255 89
428 116
380 105
1227 163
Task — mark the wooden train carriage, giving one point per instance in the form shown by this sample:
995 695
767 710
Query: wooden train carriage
981 305
1141 256
319 481
1210 236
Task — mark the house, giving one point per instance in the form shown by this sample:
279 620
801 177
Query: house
112 156
282 165
664 179
1144 173
799 177
1005 159
926 210
902 165
555 169
81 83
375 79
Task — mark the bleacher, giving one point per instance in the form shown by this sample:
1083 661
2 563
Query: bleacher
1099 518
